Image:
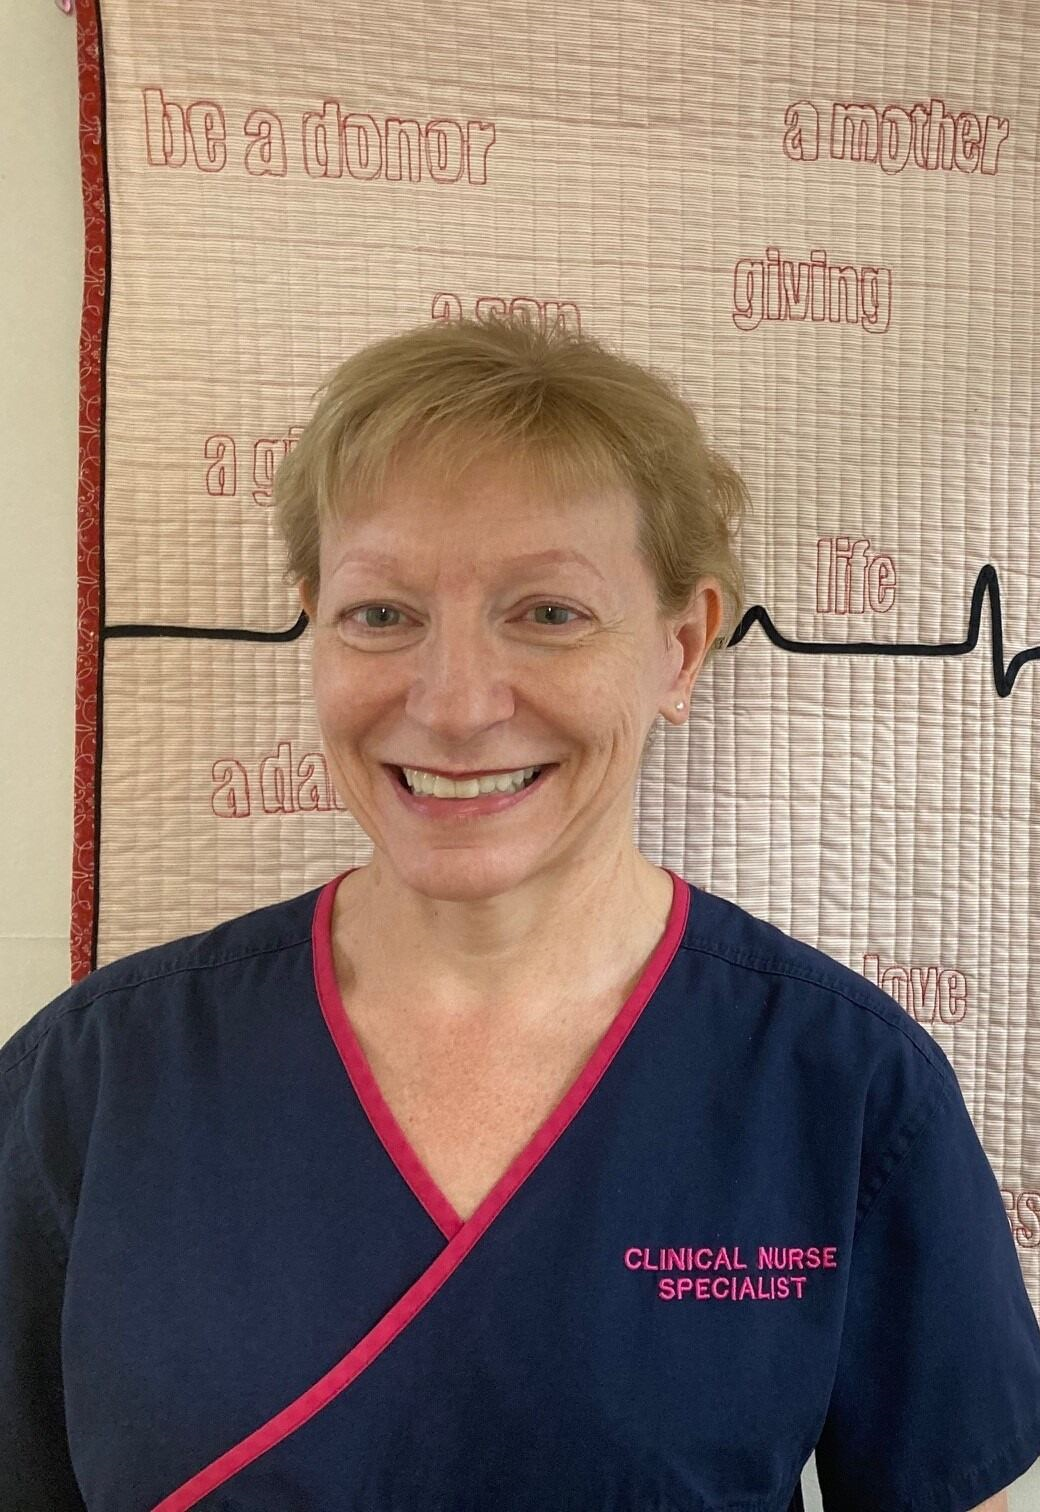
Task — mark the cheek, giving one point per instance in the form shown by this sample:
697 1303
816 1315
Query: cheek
338 716
333 690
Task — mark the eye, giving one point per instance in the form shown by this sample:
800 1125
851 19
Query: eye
347 616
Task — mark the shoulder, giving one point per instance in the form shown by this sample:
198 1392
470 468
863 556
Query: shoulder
138 1032
800 974
148 979
818 1012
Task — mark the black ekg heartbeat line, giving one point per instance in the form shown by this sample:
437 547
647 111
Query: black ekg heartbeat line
987 582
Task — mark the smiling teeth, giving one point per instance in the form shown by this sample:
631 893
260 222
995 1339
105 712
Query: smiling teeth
426 784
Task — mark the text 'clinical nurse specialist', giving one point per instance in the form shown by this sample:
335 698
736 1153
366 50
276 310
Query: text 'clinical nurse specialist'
508 1172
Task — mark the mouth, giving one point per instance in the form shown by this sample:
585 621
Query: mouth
461 808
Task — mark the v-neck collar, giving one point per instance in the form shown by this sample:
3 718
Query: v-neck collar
378 1111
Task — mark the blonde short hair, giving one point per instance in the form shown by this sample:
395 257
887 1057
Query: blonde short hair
578 413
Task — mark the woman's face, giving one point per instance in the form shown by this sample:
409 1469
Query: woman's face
444 655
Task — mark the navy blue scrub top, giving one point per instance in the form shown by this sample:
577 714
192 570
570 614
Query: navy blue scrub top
759 1224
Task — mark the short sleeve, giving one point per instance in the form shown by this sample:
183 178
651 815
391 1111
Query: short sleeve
936 1400
36 1473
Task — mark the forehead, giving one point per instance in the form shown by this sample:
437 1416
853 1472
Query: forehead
496 512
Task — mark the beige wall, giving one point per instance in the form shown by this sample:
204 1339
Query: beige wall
41 263
41 272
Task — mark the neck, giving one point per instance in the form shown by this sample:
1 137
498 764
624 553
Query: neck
512 956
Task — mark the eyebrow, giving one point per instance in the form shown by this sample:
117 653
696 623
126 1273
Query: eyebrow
528 559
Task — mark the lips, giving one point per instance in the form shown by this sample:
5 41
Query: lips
462 811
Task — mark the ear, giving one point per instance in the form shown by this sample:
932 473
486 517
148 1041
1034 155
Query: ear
305 598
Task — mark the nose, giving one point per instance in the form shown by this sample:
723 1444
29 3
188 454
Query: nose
460 685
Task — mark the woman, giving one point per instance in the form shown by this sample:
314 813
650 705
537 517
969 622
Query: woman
509 1171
